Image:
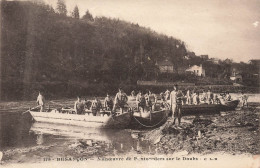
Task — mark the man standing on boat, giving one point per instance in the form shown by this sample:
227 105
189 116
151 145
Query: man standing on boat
40 101
176 97
108 103
133 93
78 106
188 97
120 100
204 96
227 96
87 104
216 99
96 106
196 98
141 102
167 94
210 97
162 96
151 100
244 100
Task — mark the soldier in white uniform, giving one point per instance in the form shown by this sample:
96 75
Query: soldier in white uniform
188 96
41 101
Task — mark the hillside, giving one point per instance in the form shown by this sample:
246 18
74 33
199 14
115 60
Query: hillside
65 56
41 46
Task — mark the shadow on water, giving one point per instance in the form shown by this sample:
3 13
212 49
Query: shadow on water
122 141
34 141
14 128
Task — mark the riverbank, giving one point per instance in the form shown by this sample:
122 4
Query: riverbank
233 132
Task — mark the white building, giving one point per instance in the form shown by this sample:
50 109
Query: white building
196 70
236 76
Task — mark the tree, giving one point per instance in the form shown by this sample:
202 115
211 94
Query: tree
61 7
88 16
75 13
50 9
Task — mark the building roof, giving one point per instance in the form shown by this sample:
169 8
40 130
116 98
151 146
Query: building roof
192 67
255 61
214 60
204 56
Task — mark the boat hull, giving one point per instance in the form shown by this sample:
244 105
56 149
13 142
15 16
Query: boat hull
118 122
209 108
201 109
13 126
229 105
149 120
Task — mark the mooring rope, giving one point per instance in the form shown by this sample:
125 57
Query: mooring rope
148 126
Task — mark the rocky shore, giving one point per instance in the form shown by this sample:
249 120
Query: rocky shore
233 132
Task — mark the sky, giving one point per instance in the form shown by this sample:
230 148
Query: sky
218 28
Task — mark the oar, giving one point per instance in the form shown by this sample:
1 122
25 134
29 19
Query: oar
32 108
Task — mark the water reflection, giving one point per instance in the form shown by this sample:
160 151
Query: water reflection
62 140
121 140
117 141
14 129
39 139
15 134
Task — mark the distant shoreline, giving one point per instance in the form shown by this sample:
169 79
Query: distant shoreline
72 90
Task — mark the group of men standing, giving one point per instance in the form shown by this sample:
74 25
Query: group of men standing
146 100
176 98
120 101
109 104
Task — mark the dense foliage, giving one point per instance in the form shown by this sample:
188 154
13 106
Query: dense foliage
42 47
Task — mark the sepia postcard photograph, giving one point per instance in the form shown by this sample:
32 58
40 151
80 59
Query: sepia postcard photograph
129 83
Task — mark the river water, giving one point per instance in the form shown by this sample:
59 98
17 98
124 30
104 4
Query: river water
52 141
60 141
